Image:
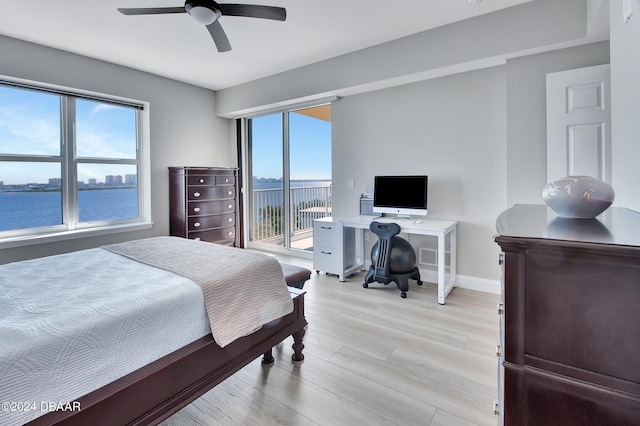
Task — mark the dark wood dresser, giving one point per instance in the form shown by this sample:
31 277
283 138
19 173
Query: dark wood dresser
571 317
203 204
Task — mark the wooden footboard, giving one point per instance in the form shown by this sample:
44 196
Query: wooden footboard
156 391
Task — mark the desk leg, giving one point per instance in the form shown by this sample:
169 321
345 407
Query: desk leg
441 268
359 254
453 236
446 285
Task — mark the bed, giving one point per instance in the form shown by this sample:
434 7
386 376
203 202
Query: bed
114 335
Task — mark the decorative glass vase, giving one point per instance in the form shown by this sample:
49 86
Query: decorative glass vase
578 197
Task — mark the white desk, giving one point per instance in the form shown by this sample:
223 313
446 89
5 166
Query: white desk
442 229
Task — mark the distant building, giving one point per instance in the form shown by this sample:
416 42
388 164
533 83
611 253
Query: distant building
130 179
54 181
92 181
113 180
1 184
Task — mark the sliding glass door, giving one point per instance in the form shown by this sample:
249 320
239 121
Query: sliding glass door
289 160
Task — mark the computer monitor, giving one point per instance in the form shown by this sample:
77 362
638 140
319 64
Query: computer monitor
400 195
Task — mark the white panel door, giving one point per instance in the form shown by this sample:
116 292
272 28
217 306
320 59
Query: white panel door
579 123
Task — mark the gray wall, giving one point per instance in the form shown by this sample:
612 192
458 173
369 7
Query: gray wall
470 44
398 115
452 129
480 135
527 115
184 127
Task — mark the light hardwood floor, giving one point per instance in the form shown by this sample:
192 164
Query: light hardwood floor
371 358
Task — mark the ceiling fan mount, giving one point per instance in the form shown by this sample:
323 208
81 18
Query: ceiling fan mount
203 11
208 13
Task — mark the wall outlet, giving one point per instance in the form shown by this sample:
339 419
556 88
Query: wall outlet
351 184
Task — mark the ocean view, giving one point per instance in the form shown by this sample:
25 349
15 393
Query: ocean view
30 209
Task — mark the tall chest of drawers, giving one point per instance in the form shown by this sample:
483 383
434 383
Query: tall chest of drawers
203 204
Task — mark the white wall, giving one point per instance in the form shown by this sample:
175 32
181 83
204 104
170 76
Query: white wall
452 129
625 105
185 130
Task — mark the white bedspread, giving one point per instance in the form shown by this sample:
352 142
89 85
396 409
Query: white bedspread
86 325
243 290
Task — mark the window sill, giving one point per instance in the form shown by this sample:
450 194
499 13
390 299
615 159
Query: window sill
70 235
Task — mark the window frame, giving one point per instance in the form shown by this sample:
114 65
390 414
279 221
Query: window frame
71 227
247 173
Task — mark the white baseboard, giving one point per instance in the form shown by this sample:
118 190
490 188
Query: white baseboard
478 284
465 281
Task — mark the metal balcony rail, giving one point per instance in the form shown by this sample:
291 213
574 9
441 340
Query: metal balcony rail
306 204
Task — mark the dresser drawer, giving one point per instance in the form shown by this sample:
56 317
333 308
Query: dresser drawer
213 235
225 180
216 180
327 234
198 208
215 221
327 259
210 192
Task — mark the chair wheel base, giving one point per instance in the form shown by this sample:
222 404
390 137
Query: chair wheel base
403 294
419 282
365 285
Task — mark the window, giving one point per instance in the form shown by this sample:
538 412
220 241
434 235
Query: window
69 163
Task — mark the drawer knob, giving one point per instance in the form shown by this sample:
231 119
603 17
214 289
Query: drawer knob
230 219
196 194
230 206
196 209
226 180
197 239
196 225
230 233
201 180
229 192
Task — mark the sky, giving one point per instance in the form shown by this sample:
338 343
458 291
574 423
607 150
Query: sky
30 125
310 152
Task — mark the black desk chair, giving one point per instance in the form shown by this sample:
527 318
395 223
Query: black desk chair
392 258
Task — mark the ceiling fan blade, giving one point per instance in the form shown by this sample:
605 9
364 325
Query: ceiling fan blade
219 37
254 11
152 10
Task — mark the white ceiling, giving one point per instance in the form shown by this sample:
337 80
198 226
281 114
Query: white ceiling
177 47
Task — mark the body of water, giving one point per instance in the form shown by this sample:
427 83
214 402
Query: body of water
267 194
19 210
27 209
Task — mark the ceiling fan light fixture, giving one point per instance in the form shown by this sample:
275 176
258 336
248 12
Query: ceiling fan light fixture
204 15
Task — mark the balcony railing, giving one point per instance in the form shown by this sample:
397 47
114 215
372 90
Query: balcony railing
306 204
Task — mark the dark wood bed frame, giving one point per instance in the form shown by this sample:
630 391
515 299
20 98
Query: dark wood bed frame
158 390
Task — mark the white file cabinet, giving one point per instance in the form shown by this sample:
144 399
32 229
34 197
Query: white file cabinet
329 241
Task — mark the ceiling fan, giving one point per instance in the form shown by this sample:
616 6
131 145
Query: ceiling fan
208 12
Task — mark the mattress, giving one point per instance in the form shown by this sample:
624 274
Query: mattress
72 323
